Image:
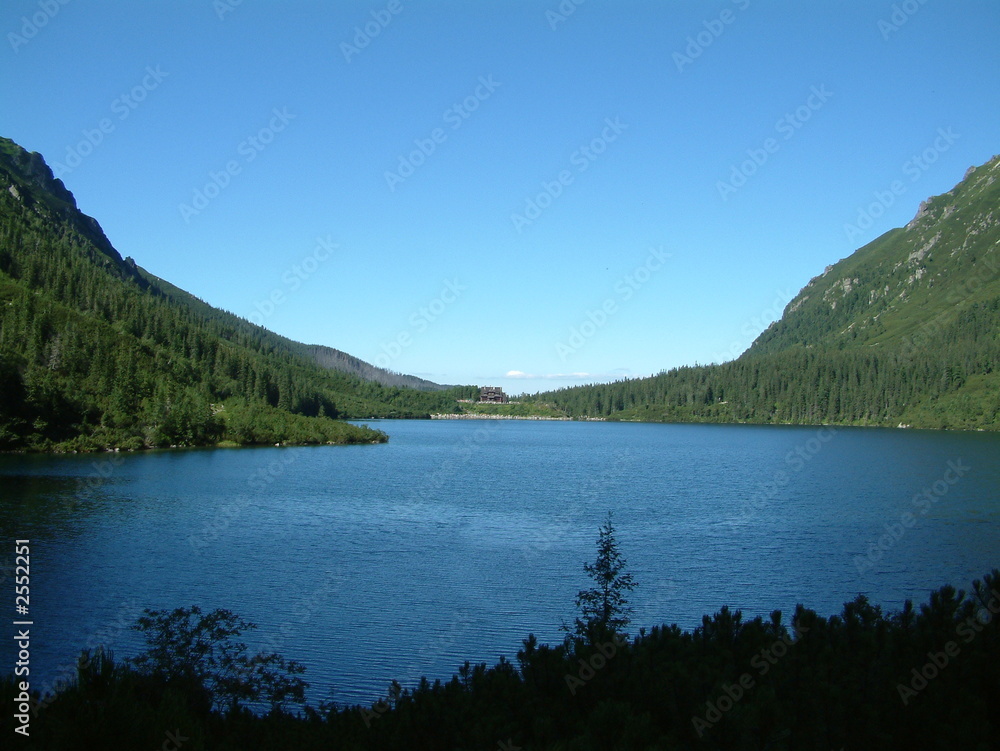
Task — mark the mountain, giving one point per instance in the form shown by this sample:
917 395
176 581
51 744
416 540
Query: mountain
28 174
334 359
96 352
909 282
906 330
326 357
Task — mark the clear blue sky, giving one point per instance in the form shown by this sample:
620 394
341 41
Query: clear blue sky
455 263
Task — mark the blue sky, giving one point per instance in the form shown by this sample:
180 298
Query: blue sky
527 194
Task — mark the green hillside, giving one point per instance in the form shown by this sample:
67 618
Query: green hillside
904 331
902 287
326 357
97 353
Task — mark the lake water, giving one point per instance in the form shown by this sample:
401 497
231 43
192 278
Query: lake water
456 540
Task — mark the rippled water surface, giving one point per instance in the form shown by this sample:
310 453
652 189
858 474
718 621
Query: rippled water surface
457 539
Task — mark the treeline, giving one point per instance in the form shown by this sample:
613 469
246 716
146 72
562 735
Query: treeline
947 378
922 677
95 353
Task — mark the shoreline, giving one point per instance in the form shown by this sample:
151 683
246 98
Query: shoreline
483 416
30 451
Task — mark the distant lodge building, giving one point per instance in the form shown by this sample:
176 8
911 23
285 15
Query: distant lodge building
492 395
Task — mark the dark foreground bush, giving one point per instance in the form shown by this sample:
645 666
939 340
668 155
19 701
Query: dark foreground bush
920 678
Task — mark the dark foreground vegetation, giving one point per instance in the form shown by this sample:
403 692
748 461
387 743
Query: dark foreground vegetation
925 677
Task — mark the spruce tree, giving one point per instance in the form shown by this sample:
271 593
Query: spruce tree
604 608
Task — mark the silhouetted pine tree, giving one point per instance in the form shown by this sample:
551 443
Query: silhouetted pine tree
604 608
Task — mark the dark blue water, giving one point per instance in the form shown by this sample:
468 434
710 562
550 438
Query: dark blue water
457 539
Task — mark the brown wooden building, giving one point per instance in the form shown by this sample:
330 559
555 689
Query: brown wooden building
492 395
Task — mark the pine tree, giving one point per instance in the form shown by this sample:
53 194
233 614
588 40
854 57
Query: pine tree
604 608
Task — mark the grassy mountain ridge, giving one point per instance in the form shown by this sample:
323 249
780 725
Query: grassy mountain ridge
945 259
95 352
906 330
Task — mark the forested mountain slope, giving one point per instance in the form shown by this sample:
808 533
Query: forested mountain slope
97 353
326 357
334 359
904 331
